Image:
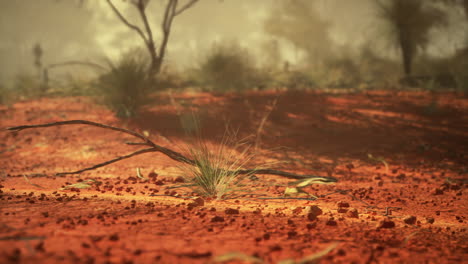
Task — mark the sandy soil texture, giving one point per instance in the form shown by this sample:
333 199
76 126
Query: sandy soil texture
405 204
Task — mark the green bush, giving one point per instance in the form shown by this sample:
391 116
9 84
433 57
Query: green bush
126 87
228 67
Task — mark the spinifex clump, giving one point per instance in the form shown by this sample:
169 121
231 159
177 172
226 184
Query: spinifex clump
216 170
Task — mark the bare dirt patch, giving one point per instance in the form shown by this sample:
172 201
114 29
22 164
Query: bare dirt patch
405 204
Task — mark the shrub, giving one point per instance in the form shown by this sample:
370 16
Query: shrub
459 70
215 173
26 86
294 80
228 67
125 88
4 95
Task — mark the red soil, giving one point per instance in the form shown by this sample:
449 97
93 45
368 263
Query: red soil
413 212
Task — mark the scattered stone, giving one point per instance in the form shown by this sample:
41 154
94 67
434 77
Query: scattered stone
410 220
179 179
352 213
342 207
114 237
199 201
437 191
231 211
292 234
342 210
331 222
342 204
313 212
386 224
276 248
217 219
297 210
430 220
341 252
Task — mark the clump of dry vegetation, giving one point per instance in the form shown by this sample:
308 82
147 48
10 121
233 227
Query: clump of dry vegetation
126 87
228 67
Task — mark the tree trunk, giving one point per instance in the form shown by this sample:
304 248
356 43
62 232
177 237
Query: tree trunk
407 53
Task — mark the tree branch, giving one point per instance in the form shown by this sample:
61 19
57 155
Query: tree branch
138 152
126 22
166 27
83 63
156 148
141 8
185 7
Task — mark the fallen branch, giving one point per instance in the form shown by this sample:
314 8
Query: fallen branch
152 147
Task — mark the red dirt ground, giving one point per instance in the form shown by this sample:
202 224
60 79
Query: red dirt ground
414 211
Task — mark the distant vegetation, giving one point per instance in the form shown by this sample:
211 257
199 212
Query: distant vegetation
127 85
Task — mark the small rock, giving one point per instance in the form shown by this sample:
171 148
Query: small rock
292 234
217 219
114 237
159 182
352 213
410 220
179 179
331 222
297 210
313 212
430 220
231 211
342 204
386 224
153 175
342 210
199 201
437 191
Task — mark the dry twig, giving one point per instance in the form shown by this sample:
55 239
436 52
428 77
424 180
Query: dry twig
152 147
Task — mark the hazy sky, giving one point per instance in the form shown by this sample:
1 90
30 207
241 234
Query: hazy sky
68 31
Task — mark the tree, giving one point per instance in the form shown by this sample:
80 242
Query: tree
172 9
409 23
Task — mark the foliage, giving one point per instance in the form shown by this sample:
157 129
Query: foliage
408 24
459 70
4 95
27 86
126 87
215 173
293 80
346 70
375 70
228 67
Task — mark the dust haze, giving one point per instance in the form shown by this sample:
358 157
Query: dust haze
89 31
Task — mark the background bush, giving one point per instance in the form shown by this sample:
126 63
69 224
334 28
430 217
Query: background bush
126 87
228 67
